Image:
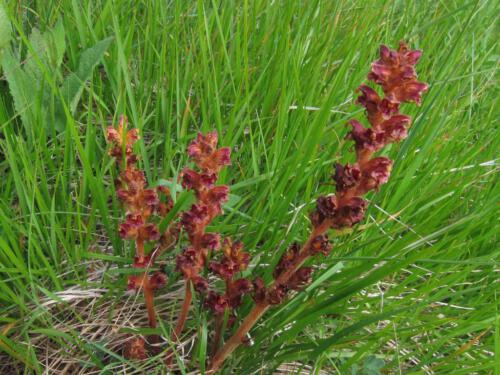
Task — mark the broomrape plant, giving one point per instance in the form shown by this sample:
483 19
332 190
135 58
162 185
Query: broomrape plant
207 253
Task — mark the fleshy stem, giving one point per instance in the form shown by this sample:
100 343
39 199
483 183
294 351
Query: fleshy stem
188 297
219 323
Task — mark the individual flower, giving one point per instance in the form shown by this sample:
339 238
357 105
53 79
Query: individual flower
346 177
351 212
287 260
365 138
234 260
157 280
300 278
135 349
211 241
190 179
320 245
217 303
189 263
135 228
236 290
277 294
259 290
375 173
196 218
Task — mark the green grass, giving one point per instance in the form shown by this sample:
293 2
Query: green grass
416 285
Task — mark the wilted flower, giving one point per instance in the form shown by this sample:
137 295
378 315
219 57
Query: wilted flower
200 284
135 349
236 290
287 260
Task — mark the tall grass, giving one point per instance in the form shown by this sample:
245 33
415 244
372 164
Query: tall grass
416 285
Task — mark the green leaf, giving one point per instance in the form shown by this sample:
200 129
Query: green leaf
56 42
372 365
5 29
38 55
20 86
72 86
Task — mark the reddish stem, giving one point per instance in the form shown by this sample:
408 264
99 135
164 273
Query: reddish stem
149 297
185 310
219 322
258 310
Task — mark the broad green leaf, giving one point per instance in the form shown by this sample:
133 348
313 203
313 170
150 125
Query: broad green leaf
5 29
74 83
21 87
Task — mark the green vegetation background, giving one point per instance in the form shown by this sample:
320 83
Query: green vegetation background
416 284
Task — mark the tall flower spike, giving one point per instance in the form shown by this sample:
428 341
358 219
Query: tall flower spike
141 204
394 72
210 160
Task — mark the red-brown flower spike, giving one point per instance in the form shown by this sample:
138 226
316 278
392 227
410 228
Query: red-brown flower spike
209 199
395 73
141 204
